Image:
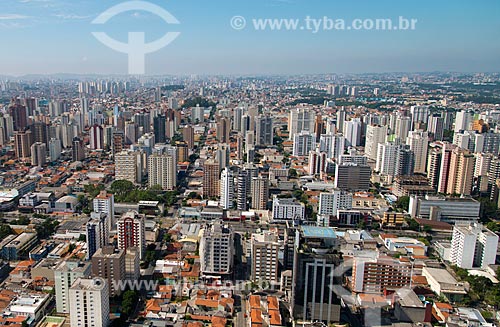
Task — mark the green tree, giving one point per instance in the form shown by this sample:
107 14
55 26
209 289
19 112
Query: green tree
129 302
5 231
403 203
120 188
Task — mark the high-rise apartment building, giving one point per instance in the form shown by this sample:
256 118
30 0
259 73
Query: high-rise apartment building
38 154
375 135
303 142
287 209
375 275
331 202
159 128
265 249
461 172
128 166
226 188
473 245
264 130
162 171
96 233
418 141
188 136
352 132
260 193
89 303
65 274
105 203
332 144
96 137
77 150
108 263
211 179
300 120
22 144
132 231
216 250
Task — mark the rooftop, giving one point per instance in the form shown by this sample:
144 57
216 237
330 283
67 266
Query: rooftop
318 232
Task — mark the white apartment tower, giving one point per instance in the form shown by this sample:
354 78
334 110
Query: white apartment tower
65 273
264 256
105 203
375 135
89 303
473 245
226 188
300 120
419 143
330 203
216 250
162 171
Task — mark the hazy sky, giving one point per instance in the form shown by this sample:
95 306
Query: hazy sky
54 36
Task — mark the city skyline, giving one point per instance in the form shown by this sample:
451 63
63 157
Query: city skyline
56 38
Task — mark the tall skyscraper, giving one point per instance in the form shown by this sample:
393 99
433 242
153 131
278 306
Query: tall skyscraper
419 114
159 128
303 142
96 232
223 129
109 263
265 248
444 169
38 154
333 145
419 142
461 172
264 130
54 149
243 188
341 116
188 136
237 114
96 137
375 135
260 192
352 132
128 166
226 188
65 274
132 232
222 155
405 161
19 116
89 303
162 171
403 127
300 120
434 164
105 203
435 126
39 131
211 181
319 127
473 245
78 150
22 144
463 120
216 249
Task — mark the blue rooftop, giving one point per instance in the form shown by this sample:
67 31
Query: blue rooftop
319 232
